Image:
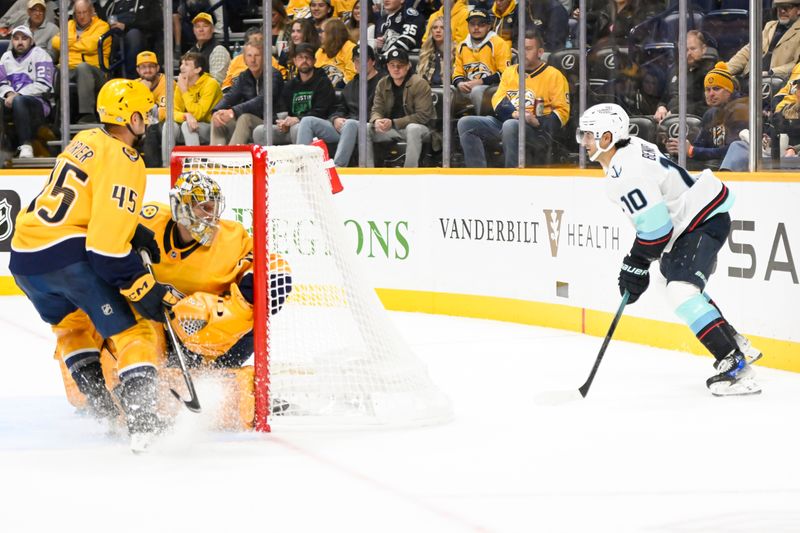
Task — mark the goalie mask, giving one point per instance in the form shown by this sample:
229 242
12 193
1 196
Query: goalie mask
197 204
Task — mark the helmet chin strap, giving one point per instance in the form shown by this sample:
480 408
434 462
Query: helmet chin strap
599 150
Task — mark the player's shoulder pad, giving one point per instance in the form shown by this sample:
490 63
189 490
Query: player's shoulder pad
411 12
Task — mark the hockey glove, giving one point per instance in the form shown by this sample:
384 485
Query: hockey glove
150 298
144 238
634 276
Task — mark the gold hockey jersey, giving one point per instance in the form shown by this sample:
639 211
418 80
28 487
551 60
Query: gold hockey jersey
195 267
486 60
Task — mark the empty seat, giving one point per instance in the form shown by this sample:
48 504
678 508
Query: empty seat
730 28
644 127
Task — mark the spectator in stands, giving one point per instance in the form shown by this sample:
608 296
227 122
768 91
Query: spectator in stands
216 56
335 56
481 59
321 10
431 55
780 43
196 96
241 109
280 27
26 86
140 23
183 13
726 117
398 28
19 13
402 109
620 16
551 19
303 31
43 30
151 76
699 62
254 35
648 94
541 81
309 93
83 32
353 24
458 20
343 125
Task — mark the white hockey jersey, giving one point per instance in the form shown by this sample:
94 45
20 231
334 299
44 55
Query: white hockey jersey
31 75
662 200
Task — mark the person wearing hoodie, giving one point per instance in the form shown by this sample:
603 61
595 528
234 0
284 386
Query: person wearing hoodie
195 99
309 93
480 59
726 117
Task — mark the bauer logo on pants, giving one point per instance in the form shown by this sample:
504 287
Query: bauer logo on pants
9 208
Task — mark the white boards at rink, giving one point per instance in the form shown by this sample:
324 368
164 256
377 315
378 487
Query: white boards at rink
537 247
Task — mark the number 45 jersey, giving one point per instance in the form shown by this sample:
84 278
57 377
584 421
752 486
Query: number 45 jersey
662 200
87 211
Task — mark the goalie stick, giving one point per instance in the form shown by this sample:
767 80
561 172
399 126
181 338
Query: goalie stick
584 389
193 403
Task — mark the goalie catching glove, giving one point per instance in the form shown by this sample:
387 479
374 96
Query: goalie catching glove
150 298
634 276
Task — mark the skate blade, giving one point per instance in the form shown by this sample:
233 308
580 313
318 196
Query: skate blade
753 357
141 442
746 387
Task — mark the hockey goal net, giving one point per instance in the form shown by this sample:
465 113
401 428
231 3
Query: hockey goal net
330 356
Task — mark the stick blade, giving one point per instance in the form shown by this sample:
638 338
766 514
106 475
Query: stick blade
193 405
556 397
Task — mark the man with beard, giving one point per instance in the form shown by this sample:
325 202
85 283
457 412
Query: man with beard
780 43
26 81
150 75
310 93
698 64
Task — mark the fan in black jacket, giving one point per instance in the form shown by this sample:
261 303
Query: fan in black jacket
140 21
241 109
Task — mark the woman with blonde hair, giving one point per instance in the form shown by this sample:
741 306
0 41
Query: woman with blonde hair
335 56
431 54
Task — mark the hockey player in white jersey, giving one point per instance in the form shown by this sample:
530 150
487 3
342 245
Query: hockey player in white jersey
682 221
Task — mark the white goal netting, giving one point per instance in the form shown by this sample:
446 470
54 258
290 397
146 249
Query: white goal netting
334 356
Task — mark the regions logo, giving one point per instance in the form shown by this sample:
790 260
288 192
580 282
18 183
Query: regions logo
9 208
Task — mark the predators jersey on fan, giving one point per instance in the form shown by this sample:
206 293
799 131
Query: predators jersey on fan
545 82
340 68
196 267
489 58
89 205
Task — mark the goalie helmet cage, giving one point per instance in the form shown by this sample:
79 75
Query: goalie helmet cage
330 357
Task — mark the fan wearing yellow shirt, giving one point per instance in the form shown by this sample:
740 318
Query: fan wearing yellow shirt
74 256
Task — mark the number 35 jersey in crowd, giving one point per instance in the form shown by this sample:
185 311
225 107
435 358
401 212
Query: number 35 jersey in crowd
662 200
87 211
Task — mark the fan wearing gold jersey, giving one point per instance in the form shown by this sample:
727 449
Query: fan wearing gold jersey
73 255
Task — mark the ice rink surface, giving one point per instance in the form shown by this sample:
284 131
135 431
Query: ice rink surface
649 449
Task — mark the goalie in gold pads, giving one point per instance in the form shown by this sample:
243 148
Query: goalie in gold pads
209 260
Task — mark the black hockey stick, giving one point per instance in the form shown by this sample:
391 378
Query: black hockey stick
584 389
193 404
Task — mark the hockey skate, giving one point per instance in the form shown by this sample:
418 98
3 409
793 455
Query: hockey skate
751 353
99 402
138 397
735 377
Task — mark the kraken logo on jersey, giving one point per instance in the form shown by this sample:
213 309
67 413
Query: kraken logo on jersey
334 74
478 70
6 222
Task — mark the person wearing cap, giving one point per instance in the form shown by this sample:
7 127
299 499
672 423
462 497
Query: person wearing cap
241 109
26 85
726 117
19 13
217 56
402 109
309 93
195 99
83 32
342 128
140 23
183 11
780 43
43 30
480 59
541 81
398 28
151 76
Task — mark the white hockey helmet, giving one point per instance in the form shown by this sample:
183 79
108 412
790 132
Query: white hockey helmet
197 203
602 118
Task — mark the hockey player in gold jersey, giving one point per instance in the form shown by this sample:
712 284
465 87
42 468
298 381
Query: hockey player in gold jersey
209 260
73 254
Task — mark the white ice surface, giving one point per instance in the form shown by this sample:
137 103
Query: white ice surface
649 449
